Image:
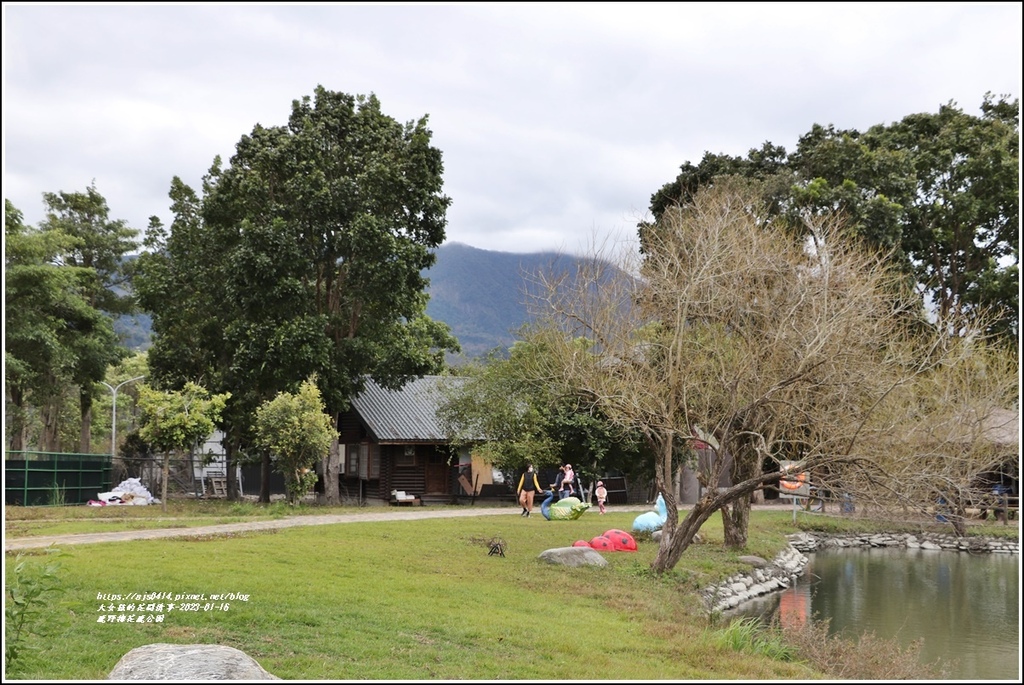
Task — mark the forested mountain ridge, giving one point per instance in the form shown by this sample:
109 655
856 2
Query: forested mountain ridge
481 294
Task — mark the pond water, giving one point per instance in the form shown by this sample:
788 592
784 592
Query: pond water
965 607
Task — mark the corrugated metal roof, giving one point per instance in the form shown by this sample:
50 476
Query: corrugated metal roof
406 415
1002 427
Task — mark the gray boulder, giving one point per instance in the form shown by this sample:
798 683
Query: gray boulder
163 661
573 556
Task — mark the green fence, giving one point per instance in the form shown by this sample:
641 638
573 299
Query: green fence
41 478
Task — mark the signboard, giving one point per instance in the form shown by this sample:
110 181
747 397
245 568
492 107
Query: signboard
793 484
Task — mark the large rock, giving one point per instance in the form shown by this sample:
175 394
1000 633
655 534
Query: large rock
188 662
573 556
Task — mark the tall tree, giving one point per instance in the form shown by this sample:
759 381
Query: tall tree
52 332
313 241
961 226
99 245
775 349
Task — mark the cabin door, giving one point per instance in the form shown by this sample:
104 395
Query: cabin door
437 474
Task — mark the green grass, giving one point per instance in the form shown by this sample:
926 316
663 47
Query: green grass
414 600
22 522
404 600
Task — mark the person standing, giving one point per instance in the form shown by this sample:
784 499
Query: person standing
602 495
526 489
567 488
557 485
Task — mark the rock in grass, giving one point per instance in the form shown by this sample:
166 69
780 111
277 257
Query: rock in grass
573 556
188 662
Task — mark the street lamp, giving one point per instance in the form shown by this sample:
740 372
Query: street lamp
113 413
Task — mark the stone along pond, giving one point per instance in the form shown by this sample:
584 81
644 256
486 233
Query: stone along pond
963 603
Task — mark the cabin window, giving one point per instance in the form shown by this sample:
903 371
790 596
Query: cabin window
374 463
406 458
352 460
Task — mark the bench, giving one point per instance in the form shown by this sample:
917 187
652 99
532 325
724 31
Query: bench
399 498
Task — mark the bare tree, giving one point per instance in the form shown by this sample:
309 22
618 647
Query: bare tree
733 329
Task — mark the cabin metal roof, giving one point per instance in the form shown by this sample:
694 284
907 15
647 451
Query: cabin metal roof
408 415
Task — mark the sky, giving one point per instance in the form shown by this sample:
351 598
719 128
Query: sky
556 121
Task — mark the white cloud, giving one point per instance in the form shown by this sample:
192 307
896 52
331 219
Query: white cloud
556 120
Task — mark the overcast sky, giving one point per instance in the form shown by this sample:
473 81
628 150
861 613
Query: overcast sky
556 122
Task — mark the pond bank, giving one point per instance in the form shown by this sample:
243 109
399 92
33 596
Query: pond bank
789 564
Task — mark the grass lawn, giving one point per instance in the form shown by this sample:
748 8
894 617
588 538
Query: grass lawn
406 600
37 521
402 600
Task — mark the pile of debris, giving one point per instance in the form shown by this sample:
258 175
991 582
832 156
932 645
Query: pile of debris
131 491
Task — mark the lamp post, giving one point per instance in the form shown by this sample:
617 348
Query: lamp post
113 413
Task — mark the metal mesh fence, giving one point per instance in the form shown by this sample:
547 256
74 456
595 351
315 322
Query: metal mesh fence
34 478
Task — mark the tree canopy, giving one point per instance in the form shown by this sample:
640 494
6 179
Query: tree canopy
302 257
173 421
513 419
938 191
59 336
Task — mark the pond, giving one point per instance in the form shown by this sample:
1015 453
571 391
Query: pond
965 607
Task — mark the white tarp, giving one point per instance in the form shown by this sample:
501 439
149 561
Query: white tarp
131 491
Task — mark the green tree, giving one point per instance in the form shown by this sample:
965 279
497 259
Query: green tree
961 225
99 245
172 422
298 433
939 192
304 257
512 419
53 336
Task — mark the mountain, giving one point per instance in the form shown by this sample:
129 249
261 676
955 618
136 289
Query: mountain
482 295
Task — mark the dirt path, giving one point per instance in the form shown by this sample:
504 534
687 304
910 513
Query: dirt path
388 514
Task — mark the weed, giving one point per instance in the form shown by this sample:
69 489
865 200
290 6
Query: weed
27 596
747 635
281 508
58 498
868 658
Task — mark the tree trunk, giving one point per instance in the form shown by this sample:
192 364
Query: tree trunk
50 441
746 466
683 535
330 469
265 478
164 478
677 480
736 522
17 422
85 435
662 447
231 470
675 543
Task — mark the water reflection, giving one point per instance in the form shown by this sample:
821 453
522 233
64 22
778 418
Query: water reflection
965 607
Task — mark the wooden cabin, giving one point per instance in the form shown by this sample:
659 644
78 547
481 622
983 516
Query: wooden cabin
392 442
